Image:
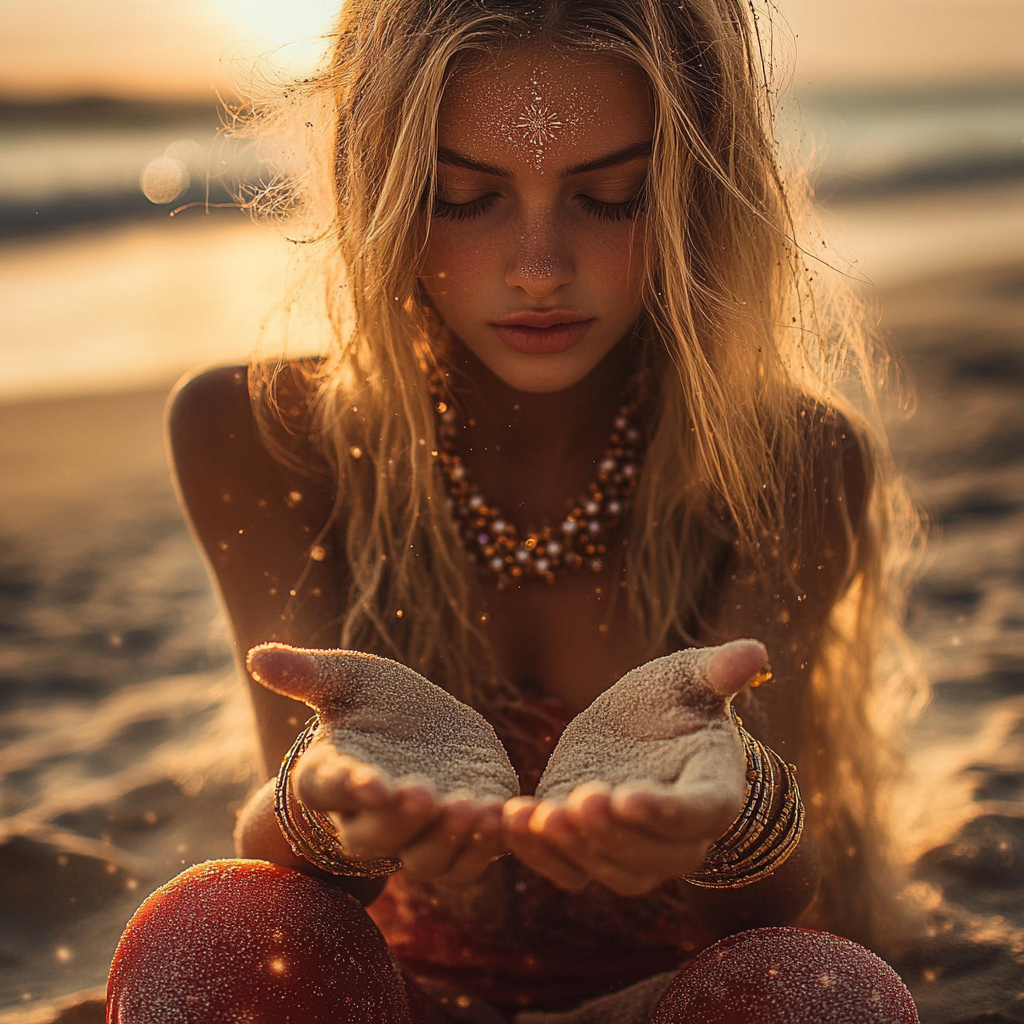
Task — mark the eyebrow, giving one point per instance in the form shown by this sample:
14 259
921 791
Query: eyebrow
620 156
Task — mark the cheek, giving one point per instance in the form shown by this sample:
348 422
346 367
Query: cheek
616 264
455 262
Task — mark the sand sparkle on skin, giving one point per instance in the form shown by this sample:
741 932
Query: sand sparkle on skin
662 724
387 715
95 551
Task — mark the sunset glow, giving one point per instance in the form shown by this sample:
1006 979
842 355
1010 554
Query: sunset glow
146 48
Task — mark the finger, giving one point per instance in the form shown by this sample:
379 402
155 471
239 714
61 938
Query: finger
735 664
486 845
623 844
642 855
613 849
548 862
435 850
589 805
671 815
515 814
533 851
551 823
284 669
325 780
384 832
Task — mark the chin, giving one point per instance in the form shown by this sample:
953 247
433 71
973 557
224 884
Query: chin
540 375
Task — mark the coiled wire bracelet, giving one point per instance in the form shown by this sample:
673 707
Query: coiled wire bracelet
754 846
310 834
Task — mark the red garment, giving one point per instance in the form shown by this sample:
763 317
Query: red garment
514 939
244 940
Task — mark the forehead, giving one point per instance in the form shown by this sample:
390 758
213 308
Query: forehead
541 105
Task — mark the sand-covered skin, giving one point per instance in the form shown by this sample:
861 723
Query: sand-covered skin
388 716
664 723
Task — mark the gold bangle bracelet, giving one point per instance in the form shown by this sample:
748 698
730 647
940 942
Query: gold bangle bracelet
310 834
754 846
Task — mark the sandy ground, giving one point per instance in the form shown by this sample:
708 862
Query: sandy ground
126 740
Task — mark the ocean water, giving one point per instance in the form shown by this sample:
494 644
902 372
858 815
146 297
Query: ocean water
883 142
860 141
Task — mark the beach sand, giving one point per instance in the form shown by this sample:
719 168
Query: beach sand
127 741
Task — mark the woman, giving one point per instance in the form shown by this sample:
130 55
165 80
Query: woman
580 411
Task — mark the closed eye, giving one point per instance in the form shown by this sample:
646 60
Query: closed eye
628 210
464 211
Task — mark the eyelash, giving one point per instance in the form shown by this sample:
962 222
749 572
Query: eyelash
615 211
602 211
463 211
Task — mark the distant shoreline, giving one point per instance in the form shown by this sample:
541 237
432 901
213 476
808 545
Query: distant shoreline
845 118
107 111
70 212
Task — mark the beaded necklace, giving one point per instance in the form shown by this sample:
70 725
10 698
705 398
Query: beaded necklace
582 537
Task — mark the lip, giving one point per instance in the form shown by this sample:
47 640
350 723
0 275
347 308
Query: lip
542 332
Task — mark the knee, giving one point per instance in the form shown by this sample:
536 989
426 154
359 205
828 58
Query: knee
242 939
780 975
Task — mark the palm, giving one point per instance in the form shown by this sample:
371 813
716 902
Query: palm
644 779
403 769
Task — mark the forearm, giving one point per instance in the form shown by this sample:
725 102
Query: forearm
777 900
258 836
782 896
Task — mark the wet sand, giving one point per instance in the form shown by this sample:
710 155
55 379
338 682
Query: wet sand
126 739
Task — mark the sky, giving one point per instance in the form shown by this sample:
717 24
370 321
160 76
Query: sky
185 48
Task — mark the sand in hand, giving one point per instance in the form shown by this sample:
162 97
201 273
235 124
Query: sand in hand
664 725
389 716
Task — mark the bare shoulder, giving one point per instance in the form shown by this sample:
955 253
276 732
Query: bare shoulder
790 608
225 470
843 463
258 518
264 524
209 407
210 418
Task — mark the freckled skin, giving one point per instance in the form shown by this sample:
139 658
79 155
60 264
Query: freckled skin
537 247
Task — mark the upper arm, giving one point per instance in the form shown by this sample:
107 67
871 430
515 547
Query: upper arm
257 523
791 617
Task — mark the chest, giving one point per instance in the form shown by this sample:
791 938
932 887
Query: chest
570 639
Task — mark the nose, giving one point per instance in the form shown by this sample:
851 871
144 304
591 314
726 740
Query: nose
541 261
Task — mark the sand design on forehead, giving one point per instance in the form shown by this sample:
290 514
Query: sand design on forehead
663 724
539 124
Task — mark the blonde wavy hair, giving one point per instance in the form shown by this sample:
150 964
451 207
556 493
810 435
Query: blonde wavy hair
755 345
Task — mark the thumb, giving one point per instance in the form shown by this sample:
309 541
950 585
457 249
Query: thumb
290 671
733 665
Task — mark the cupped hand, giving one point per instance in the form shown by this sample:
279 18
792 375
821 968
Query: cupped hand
447 839
644 780
402 768
629 838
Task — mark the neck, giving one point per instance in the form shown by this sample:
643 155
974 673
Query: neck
523 426
532 453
